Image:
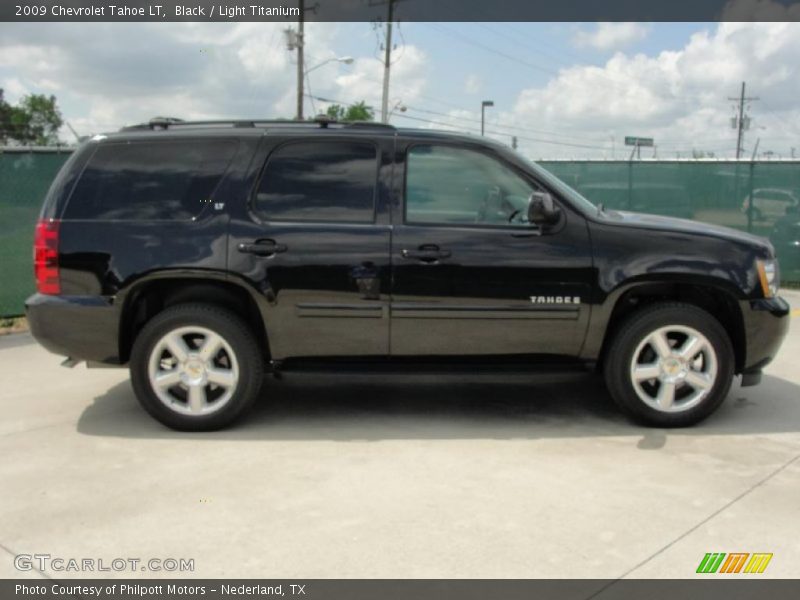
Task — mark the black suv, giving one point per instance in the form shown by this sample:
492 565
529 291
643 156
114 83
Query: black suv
205 254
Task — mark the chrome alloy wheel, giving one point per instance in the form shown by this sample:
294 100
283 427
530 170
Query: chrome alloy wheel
193 371
674 368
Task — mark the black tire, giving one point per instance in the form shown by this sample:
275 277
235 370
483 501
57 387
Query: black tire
634 330
247 357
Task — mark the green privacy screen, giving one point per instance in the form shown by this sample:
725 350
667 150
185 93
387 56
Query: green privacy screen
712 191
706 190
24 179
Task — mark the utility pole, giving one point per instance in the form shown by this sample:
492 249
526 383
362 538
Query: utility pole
387 63
300 43
740 123
295 40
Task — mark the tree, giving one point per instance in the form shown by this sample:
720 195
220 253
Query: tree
35 120
355 112
5 120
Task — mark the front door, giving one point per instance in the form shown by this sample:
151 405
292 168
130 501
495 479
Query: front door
314 240
470 274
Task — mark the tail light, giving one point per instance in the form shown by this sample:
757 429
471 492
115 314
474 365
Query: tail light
45 257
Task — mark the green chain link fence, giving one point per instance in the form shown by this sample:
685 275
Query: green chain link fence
713 191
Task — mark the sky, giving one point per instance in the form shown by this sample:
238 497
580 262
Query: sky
566 90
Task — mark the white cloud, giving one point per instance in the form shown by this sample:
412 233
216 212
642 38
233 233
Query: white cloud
110 74
13 90
364 81
473 84
678 97
201 70
608 36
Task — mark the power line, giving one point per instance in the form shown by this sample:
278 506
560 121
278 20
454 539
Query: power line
505 134
619 82
468 128
476 120
474 129
779 118
500 125
468 40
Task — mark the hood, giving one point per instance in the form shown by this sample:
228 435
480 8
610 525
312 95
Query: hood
647 221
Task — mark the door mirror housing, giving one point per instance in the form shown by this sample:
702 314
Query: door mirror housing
542 210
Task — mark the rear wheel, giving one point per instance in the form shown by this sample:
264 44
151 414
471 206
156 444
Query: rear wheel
196 367
670 365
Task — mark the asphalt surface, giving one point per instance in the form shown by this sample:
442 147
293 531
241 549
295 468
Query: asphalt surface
404 476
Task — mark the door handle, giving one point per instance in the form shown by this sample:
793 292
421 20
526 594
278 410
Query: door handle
262 248
426 254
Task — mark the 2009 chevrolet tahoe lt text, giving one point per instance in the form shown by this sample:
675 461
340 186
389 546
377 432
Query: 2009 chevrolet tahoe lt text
205 254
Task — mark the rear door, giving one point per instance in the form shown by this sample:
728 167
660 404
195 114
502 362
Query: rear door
470 275
314 241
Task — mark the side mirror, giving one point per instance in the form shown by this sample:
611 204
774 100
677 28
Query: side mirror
542 210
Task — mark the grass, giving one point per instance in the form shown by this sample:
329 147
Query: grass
13 325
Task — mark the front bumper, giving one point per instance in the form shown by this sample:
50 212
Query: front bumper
80 327
766 323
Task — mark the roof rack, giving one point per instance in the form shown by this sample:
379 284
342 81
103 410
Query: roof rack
321 121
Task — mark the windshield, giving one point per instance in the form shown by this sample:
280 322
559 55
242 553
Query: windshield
562 188
554 182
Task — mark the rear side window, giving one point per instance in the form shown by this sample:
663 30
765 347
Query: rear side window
143 181
330 180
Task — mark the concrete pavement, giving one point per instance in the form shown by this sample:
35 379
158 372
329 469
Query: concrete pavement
407 476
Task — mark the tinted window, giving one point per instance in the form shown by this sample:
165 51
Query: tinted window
319 181
150 180
454 185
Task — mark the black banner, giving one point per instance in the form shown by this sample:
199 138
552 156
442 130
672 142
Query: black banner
713 588
403 10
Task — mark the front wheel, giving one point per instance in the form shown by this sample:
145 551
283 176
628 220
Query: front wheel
670 365
196 367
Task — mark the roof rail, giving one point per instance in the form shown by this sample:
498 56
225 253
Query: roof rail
322 121
155 123
368 125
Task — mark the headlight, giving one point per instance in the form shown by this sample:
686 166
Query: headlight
769 277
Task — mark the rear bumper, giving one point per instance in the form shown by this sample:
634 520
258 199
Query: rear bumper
80 327
766 323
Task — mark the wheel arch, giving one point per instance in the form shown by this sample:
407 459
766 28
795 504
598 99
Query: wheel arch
148 297
716 299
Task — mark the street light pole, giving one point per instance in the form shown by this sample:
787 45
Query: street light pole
484 104
346 60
